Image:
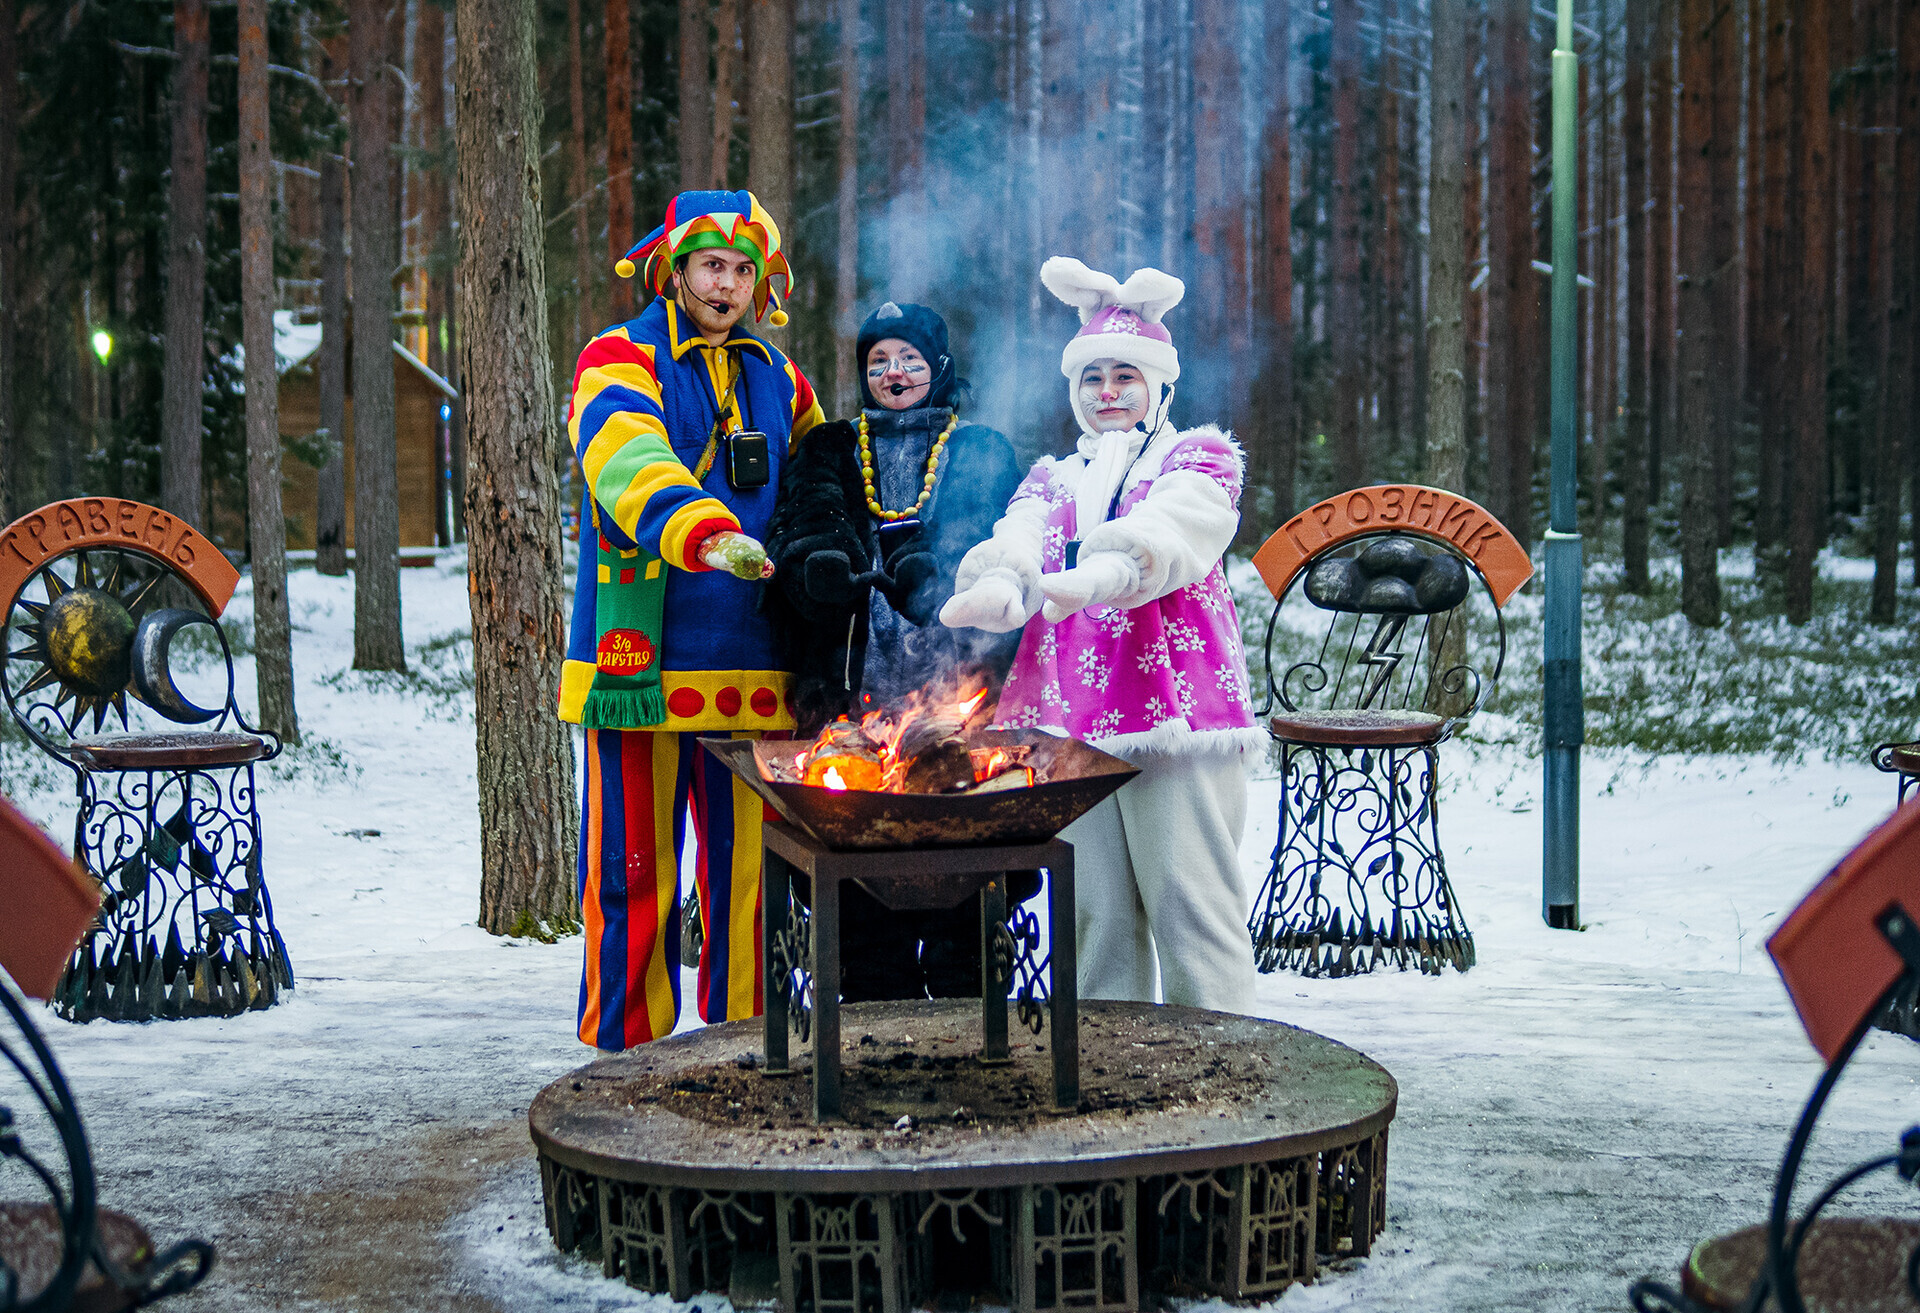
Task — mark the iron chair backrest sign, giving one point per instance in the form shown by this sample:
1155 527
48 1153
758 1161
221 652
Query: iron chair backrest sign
98 631
1432 513
71 526
1414 532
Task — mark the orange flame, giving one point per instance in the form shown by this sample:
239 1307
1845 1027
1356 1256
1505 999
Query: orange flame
884 728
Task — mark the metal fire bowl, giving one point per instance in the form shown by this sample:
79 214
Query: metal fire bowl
1070 778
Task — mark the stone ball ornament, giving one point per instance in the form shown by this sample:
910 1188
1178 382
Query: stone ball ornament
1390 576
88 636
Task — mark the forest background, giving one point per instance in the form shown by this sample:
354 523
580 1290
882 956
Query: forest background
1748 269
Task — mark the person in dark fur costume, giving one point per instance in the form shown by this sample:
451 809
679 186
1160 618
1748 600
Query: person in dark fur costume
873 519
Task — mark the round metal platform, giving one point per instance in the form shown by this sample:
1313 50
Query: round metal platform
1209 1154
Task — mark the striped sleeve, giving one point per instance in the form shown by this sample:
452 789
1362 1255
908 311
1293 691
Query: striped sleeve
806 406
619 433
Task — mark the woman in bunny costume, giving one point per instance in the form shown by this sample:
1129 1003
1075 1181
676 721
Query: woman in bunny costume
1110 558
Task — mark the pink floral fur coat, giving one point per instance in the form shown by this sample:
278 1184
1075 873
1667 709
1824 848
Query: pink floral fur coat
1160 670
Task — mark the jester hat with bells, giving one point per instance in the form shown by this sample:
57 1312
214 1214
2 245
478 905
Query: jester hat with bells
700 220
1120 321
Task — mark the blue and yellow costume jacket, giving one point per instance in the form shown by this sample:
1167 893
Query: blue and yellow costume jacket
646 394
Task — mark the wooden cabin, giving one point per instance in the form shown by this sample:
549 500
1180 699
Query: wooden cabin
421 451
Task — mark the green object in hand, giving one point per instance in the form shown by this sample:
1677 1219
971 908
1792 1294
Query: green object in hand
737 554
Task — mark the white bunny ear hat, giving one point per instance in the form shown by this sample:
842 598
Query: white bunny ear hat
1121 320
1118 320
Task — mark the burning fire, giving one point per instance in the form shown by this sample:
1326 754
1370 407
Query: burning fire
916 747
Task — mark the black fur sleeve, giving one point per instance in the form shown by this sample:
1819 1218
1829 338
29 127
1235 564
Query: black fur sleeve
814 513
819 643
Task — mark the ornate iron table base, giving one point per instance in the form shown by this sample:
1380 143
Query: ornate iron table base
1211 1153
186 928
1358 877
908 878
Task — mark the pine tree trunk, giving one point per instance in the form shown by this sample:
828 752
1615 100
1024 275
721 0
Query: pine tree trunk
1846 326
9 252
846 281
696 96
585 263
1605 317
1473 210
1753 266
1723 266
266 526
186 350
1446 454
376 503
726 21
1699 557
770 108
1343 318
1807 490
1392 349
1217 129
1634 486
1771 319
1663 400
1587 260
528 829
1904 395
1891 285
436 213
1279 455
619 154
1512 299
399 155
906 61
330 495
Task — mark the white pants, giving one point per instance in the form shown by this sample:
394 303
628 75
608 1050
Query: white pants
1157 867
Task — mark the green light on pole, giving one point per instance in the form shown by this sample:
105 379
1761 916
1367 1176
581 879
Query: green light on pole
102 344
1565 714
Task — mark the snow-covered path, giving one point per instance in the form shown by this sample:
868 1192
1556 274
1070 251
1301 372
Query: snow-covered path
1574 1112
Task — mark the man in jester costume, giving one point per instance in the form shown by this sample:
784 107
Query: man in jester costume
682 421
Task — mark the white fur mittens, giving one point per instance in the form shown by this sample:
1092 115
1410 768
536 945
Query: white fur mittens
992 603
1098 579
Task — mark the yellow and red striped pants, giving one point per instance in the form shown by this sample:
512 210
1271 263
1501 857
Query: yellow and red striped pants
640 787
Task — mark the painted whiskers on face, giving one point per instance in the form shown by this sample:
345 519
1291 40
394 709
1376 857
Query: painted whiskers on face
1113 396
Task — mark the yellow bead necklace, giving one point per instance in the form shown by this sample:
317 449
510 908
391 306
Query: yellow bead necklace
926 485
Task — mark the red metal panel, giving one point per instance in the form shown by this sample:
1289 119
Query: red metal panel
49 904
1829 951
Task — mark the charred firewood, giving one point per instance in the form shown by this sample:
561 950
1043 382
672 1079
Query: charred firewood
939 768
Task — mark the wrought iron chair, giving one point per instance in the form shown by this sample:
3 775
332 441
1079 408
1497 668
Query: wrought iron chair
1902 761
1358 875
67 1252
97 593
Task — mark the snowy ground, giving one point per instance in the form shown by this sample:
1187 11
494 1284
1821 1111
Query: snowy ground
1574 1112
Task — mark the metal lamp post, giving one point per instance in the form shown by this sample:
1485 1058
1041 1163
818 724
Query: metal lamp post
1565 718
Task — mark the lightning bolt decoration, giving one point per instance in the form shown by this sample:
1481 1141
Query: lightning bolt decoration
1383 657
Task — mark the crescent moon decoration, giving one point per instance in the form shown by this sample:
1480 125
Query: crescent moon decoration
79 635
152 669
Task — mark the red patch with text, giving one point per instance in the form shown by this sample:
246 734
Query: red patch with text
624 652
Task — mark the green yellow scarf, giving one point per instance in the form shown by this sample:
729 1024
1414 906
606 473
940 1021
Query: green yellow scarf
628 605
